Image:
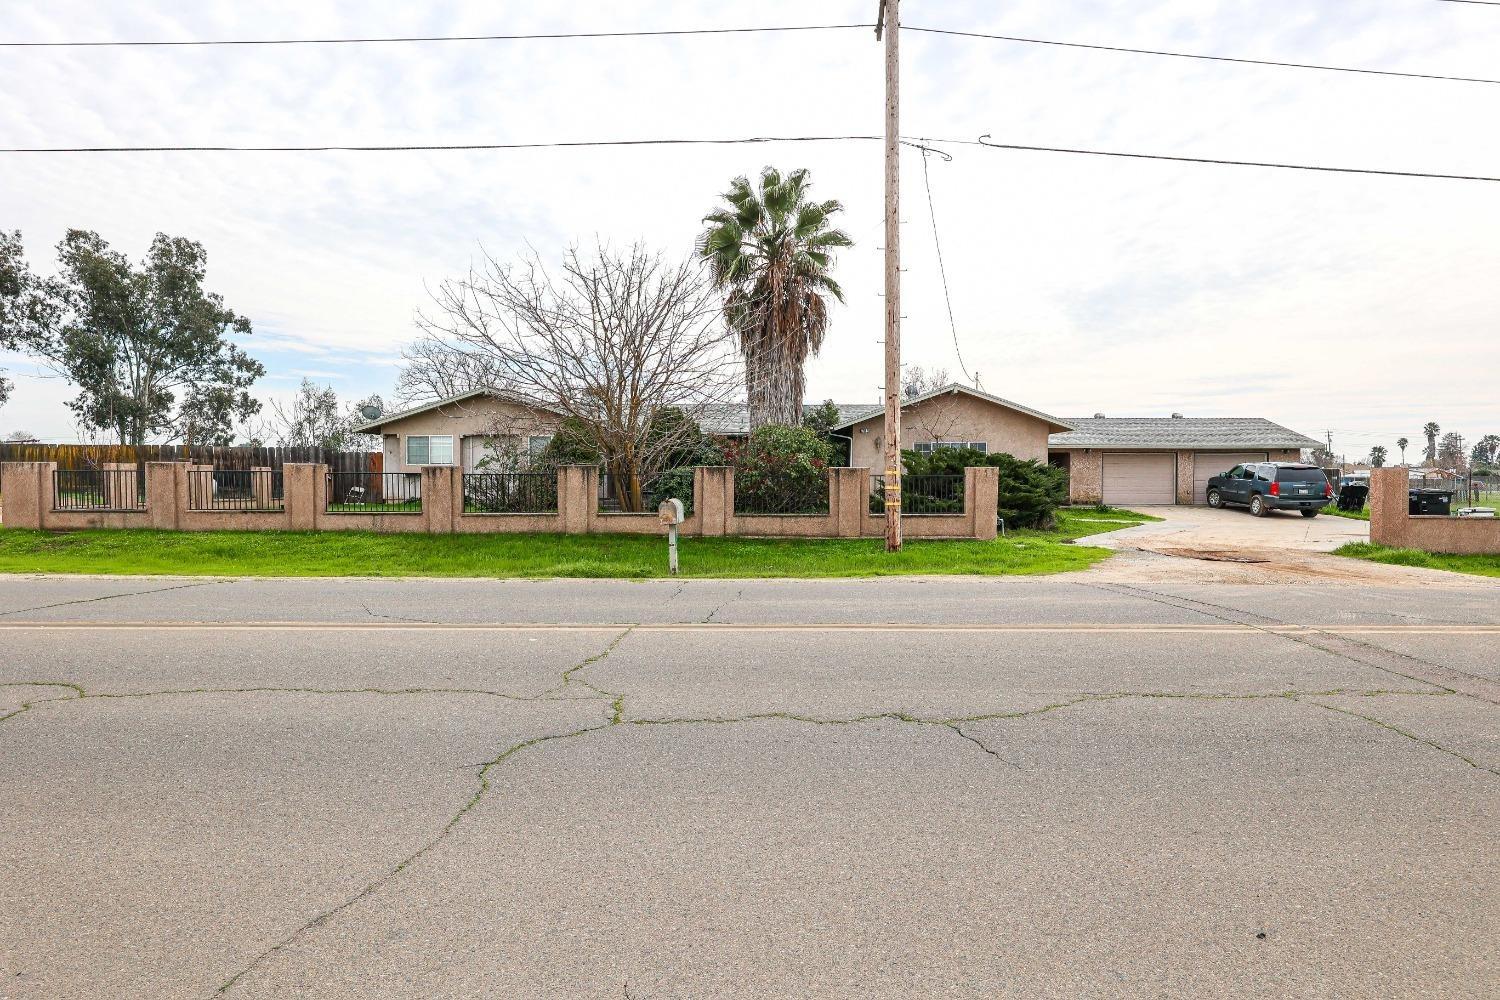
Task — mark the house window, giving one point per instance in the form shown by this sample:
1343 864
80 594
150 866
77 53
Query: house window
536 444
928 447
429 449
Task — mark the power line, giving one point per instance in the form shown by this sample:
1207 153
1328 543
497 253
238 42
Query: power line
983 140
942 268
1486 3
1193 55
382 40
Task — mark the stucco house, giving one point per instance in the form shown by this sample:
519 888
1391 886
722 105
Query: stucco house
1115 460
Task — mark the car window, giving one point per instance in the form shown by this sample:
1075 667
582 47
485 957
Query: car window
1313 476
1233 473
1248 472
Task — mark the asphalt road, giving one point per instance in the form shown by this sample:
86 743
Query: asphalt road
1066 787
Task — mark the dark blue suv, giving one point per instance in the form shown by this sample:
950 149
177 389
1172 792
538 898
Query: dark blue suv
1268 486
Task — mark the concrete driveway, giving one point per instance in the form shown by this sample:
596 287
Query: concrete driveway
1015 788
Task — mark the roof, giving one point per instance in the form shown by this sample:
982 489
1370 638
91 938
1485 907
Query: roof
733 419
1053 423
1179 432
374 426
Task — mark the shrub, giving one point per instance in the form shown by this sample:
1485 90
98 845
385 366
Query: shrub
781 470
1030 492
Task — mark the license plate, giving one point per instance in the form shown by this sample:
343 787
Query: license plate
1304 492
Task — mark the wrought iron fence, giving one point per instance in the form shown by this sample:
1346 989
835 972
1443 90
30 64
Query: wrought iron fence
615 495
921 495
235 489
99 489
510 493
791 493
374 493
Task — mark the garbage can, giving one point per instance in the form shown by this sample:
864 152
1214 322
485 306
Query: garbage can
1429 501
1352 496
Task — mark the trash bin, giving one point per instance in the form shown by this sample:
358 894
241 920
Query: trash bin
1429 501
1352 496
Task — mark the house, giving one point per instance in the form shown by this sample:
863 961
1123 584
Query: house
463 430
1115 460
1164 460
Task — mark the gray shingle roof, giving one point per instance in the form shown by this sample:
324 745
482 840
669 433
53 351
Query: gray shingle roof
734 418
870 411
1178 432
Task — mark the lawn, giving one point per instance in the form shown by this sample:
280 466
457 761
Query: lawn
1363 514
1477 565
339 553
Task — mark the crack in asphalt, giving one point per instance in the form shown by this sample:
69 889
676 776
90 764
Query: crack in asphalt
27 705
113 597
709 618
985 747
1470 685
1406 733
396 618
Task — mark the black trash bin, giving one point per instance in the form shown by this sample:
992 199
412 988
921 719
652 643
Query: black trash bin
1352 496
1430 501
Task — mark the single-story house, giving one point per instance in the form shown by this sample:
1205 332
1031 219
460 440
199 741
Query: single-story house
1115 460
1164 460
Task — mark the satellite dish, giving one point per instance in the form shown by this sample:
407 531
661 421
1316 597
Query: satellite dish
370 411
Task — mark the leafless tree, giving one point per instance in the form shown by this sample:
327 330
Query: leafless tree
611 341
434 369
918 381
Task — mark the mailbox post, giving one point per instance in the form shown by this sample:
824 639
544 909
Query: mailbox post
671 515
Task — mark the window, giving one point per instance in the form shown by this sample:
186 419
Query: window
429 449
928 447
536 444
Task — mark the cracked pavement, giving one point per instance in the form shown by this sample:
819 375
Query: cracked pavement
1058 787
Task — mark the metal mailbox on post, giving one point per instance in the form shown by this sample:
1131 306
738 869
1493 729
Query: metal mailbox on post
671 514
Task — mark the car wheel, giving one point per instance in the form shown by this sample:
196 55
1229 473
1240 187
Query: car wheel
1258 506
1214 500
1310 513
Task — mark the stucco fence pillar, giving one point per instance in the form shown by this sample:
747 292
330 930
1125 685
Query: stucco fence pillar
26 489
1392 524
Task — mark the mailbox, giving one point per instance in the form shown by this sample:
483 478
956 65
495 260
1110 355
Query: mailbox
670 512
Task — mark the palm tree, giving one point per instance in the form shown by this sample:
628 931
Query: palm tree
1377 456
771 250
1402 443
1430 430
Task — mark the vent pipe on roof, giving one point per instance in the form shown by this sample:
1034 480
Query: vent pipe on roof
1098 416
1176 416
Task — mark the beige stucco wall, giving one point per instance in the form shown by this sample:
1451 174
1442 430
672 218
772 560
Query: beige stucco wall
480 417
1392 524
954 417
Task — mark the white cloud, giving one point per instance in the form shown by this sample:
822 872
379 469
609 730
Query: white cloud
1080 284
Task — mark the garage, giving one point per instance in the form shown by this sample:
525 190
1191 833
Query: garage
1207 464
1132 479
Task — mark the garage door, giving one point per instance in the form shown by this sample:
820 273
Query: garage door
1132 479
1211 463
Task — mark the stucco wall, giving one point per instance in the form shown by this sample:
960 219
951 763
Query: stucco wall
954 417
483 416
1392 525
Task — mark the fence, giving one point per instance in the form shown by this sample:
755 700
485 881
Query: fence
373 493
510 493
798 493
442 500
1393 523
121 488
615 494
921 496
97 456
235 489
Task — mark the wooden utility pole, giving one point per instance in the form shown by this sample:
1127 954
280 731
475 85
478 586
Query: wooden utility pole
888 20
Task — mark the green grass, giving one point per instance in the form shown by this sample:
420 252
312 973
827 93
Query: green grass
339 553
1354 515
1104 513
1477 565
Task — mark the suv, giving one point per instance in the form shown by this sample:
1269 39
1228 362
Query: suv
1268 486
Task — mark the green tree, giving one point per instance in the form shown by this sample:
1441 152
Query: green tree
1030 492
148 349
1430 431
782 470
1402 443
771 252
1377 456
1486 450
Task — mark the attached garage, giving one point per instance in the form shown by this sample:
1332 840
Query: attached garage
1207 464
1139 478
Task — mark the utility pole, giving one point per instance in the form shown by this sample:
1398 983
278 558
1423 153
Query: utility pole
888 21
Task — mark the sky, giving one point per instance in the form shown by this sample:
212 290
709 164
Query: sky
1362 305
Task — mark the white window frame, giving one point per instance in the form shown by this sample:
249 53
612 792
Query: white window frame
427 440
928 447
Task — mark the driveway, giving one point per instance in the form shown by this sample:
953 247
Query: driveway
966 788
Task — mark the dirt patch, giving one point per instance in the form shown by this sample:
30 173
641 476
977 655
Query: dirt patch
1209 555
1253 567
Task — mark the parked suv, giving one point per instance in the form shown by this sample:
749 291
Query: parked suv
1268 486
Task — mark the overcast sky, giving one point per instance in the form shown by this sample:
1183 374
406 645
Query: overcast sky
1367 305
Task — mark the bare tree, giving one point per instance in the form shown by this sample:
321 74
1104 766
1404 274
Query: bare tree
435 369
314 419
918 381
611 341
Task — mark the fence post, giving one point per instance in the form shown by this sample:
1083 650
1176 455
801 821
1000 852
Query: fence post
304 488
27 488
1390 497
851 500
119 485
982 500
714 486
260 486
162 494
577 494
437 499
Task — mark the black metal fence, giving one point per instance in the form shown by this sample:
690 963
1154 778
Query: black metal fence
374 493
616 497
235 489
99 489
921 495
510 493
786 494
